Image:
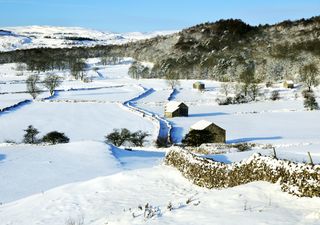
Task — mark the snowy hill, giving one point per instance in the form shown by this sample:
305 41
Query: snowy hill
12 38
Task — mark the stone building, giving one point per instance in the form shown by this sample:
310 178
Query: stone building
175 109
218 133
288 84
199 86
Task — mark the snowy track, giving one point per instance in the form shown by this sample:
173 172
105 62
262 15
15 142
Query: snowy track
164 126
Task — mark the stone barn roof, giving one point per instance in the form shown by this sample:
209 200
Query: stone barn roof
173 106
289 81
201 125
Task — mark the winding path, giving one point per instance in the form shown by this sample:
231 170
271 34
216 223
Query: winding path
164 126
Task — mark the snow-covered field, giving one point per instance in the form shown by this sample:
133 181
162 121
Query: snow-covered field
115 200
94 182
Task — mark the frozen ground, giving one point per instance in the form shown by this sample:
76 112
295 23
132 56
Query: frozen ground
106 185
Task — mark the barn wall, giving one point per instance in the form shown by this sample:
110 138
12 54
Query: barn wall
219 135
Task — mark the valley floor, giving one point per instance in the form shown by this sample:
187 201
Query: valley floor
89 180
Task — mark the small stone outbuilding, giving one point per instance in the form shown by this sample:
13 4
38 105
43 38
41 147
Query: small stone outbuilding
199 86
218 133
175 109
288 84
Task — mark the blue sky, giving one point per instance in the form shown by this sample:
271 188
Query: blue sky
149 15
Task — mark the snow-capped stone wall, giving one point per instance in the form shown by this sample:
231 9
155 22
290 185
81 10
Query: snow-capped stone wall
295 178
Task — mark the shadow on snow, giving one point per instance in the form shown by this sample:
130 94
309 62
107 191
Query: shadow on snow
2 157
219 158
135 159
15 107
176 134
248 139
208 114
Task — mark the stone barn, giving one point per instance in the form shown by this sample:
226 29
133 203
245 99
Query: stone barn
218 133
199 86
288 84
175 109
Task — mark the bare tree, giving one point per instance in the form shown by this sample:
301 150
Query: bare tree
247 77
226 88
309 75
104 60
145 72
253 91
275 95
78 69
133 70
51 82
32 87
172 79
20 68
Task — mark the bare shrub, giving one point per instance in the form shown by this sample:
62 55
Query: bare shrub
275 95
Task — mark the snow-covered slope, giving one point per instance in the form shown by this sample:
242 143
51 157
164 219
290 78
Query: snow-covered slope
40 168
12 38
115 200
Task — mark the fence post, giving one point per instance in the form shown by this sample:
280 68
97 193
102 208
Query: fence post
310 158
274 153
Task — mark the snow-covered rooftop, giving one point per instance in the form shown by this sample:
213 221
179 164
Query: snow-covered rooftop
172 106
200 125
289 81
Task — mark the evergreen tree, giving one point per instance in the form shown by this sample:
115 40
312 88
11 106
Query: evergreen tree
30 135
55 137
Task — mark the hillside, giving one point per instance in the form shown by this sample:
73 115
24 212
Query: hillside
14 38
221 51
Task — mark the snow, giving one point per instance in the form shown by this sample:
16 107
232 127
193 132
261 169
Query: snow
289 81
78 120
198 82
61 37
43 184
201 125
108 94
172 106
115 199
251 125
8 100
26 170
